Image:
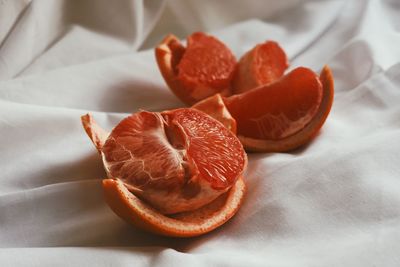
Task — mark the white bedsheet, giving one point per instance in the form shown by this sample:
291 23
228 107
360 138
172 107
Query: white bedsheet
335 202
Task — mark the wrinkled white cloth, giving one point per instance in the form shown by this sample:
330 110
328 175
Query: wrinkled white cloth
335 202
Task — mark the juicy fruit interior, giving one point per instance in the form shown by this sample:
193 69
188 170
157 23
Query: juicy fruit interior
262 65
270 62
176 160
268 111
205 67
216 108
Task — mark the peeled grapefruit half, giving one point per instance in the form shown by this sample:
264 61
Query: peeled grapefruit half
262 65
203 68
176 173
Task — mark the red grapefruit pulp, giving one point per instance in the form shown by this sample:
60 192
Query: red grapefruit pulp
216 108
262 65
203 68
278 117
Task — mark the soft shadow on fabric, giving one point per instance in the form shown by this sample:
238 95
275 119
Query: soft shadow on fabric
76 12
130 96
85 168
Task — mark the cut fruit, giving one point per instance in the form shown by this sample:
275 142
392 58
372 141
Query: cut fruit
295 109
279 110
262 65
205 67
215 107
198 161
186 224
268 111
176 160
281 116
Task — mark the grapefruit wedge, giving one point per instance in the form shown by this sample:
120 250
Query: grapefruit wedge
202 69
262 65
278 117
175 173
284 115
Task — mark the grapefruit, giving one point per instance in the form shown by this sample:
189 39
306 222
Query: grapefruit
202 69
180 164
284 115
262 65
278 110
277 117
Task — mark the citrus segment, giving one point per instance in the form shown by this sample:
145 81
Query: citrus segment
278 110
205 67
186 224
217 152
262 65
308 131
175 160
206 64
139 153
215 107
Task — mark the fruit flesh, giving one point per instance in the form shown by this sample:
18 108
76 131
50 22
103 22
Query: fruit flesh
218 153
206 63
308 132
278 110
139 213
142 134
282 109
262 65
203 68
176 160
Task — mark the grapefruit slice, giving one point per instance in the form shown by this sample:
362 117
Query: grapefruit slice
194 170
203 68
262 65
284 115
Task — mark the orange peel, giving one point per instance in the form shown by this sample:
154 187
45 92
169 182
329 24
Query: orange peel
185 224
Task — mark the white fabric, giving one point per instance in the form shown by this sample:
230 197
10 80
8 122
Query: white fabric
335 202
